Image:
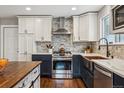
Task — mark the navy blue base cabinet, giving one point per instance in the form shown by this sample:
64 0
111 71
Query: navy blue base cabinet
76 65
86 75
46 65
79 70
118 82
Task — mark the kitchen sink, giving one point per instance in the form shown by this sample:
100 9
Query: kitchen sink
95 57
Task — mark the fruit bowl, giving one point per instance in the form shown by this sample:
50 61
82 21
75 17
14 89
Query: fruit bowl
3 63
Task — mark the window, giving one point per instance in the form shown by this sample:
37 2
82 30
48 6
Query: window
105 33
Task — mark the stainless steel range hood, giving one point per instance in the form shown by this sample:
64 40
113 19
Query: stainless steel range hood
61 29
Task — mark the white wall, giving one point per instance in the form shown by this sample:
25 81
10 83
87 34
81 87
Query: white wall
8 21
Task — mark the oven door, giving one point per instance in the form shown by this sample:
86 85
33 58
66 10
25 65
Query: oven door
62 68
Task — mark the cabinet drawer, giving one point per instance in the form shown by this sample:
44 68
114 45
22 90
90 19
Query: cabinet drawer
24 83
35 72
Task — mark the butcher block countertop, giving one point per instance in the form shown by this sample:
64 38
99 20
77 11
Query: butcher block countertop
16 71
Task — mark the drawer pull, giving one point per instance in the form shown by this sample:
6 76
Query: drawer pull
22 86
35 72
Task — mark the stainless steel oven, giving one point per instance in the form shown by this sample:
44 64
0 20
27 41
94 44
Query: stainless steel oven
62 67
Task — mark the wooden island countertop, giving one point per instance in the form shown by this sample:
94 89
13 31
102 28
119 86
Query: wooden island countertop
16 71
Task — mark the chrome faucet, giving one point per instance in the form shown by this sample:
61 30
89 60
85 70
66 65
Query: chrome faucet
107 50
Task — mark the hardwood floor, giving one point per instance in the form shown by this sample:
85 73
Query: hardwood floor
61 83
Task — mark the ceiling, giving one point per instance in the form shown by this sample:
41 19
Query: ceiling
7 11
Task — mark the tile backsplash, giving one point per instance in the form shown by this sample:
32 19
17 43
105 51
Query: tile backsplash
115 50
57 40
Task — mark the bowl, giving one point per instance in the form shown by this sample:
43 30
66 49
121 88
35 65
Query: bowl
3 64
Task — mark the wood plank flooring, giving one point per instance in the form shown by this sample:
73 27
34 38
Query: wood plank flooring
61 83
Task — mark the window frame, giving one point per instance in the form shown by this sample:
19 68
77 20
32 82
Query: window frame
102 33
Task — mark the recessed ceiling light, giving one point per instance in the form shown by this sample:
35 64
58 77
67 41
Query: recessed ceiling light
28 8
73 8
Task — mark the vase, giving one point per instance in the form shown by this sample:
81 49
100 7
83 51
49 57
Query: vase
50 50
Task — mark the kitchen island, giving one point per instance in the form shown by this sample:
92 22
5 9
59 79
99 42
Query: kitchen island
21 75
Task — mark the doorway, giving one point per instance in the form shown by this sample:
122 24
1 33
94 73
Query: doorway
10 42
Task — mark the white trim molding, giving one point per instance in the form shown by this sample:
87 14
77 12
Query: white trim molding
1 37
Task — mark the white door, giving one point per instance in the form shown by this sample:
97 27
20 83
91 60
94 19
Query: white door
10 43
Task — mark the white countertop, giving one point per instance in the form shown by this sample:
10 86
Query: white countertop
42 53
88 54
114 65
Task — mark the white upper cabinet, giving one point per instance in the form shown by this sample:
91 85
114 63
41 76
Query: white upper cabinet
38 29
88 27
85 27
47 24
43 28
26 25
75 28
40 26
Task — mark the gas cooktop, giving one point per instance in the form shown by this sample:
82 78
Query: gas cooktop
67 54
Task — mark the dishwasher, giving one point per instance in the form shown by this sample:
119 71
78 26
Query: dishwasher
103 78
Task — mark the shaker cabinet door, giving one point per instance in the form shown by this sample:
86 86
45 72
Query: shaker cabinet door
43 28
21 47
75 28
47 22
22 25
83 30
25 47
37 83
26 25
38 29
30 25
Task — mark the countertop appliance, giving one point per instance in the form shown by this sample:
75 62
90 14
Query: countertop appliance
62 65
103 78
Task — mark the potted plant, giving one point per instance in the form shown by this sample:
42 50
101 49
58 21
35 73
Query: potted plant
49 46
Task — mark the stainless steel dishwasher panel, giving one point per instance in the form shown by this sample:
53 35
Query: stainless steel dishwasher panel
102 77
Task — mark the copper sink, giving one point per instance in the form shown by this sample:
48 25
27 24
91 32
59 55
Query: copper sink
95 57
